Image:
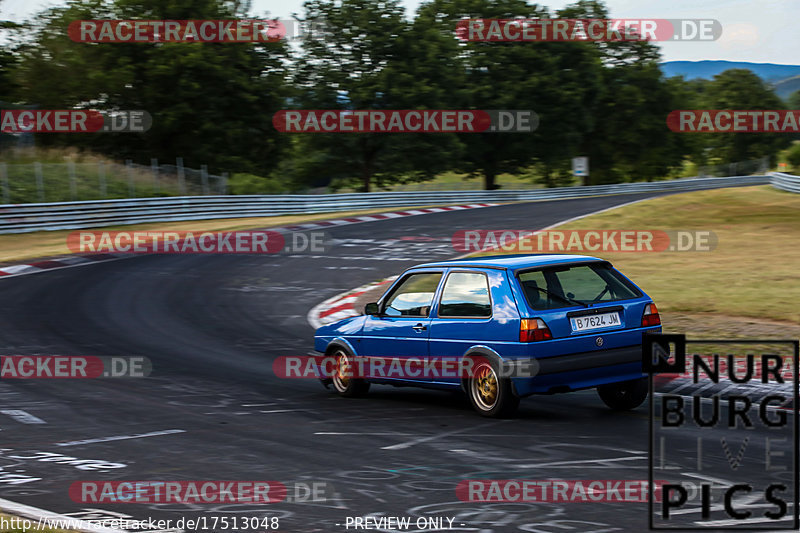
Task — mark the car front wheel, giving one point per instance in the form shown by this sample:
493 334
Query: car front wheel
625 395
343 380
490 395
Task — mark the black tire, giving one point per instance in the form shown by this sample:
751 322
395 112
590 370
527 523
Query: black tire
489 395
625 395
348 387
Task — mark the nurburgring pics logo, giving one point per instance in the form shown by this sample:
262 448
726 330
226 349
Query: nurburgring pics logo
405 121
723 433
581 30
74 121
734 120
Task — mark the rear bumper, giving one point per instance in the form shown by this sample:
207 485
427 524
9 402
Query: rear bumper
588 360
564 373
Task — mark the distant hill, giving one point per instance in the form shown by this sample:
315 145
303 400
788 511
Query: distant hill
786 87
785 79
708 69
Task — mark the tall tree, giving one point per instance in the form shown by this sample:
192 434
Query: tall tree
556 80
742 89
362 54
210 103
628 139
8 61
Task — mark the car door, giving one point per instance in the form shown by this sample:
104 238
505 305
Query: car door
401 328
462 318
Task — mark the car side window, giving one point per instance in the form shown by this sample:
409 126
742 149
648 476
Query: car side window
466 294
414 295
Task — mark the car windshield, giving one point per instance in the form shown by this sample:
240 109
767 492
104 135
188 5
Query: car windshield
568 286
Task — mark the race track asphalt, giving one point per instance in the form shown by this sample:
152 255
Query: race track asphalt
213 324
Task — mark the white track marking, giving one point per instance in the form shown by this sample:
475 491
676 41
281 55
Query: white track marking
35 513
22 416
14 269
347 433
584 463
414 442
38 271
121 437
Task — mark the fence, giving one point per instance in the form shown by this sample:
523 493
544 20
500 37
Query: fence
736 168
785 182
73 215
97 180
35 181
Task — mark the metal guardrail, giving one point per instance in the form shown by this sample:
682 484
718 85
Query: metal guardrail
21 218
785 182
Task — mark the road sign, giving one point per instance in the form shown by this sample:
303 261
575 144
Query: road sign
580 166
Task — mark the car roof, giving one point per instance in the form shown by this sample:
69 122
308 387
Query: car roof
513 262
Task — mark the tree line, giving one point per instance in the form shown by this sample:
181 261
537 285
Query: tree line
213 103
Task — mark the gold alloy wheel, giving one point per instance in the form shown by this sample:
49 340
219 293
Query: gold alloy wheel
484 386
341 376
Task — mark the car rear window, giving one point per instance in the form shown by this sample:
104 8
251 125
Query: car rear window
553 287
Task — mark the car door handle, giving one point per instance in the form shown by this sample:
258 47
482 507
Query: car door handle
419 327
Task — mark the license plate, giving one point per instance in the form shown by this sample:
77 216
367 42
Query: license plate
587 323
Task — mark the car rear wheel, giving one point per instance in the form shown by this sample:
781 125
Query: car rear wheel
490 395
624 396
343 380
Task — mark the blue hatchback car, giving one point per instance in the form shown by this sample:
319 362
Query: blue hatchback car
506 327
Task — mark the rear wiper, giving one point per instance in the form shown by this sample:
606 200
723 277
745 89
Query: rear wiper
562 298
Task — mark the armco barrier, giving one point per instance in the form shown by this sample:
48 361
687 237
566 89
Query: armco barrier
20 218
785 182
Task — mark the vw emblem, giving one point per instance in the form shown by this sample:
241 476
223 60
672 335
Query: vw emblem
599 341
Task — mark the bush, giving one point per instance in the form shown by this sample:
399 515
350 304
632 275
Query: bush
241 183
793 157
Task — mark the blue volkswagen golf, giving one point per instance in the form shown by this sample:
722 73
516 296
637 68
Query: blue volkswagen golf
501 328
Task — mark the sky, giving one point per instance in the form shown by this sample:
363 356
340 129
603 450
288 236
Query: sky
759 31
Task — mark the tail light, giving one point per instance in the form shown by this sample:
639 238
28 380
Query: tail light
533 329
650 316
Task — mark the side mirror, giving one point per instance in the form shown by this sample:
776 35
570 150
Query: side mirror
371 309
